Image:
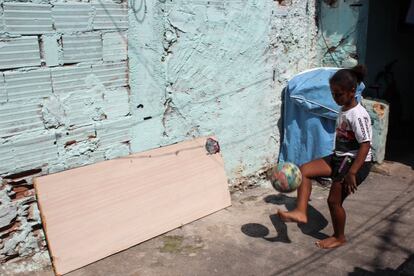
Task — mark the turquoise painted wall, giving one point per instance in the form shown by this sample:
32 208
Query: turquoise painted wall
217 68
342 32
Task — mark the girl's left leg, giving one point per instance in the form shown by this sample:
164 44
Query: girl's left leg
338 215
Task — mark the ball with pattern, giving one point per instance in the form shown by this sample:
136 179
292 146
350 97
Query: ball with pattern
285 177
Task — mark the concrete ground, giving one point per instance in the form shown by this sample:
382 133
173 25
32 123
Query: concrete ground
249 239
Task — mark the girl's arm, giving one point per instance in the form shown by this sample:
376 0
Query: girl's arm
350 178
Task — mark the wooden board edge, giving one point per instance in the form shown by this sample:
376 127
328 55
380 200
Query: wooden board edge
194 139
44 224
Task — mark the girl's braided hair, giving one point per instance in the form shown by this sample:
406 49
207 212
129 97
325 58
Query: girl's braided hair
348 79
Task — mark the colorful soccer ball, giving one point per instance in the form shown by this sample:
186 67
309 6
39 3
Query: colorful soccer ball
285 177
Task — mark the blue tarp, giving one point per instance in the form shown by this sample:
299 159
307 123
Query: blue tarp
309 114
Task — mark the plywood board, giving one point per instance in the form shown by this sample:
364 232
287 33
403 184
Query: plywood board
91 212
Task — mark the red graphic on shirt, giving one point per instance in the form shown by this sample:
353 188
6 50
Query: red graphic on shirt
343 133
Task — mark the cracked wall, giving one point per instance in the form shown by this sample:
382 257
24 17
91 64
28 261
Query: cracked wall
64 103
217 67
342 32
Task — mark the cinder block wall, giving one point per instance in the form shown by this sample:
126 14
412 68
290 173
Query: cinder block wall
64 102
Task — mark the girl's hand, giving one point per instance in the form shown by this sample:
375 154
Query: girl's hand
350 183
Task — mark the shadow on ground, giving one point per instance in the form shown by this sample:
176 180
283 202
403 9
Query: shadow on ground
405 269
317 222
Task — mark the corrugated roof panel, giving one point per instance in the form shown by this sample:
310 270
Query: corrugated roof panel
72 17
20 117
112 74
19 52
110 16
82 47
114 46
70 78
21 85
3 94
27 18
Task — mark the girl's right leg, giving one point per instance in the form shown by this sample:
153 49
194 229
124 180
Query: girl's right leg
318 167
338 215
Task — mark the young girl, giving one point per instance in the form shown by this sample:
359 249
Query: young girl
350 162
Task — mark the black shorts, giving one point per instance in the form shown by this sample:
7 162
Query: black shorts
340 166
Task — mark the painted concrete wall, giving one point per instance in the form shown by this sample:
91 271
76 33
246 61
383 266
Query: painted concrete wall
379 113
342 32
195 68
217 68
64 103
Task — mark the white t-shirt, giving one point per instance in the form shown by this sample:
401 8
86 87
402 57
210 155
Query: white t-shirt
352 128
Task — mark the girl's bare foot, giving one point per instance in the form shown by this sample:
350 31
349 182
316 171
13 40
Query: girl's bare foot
330 242
292 216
